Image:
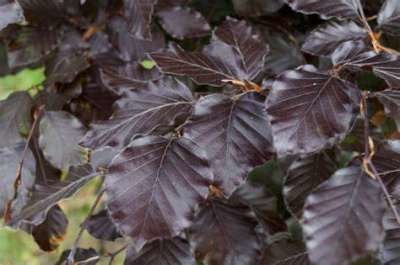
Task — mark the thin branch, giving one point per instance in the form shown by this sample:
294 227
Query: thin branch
18 175
71 256
113 255
369 152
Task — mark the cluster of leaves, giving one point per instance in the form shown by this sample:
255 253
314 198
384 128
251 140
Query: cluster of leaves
174 102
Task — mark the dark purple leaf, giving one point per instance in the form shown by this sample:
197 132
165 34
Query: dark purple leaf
285 252
389 252
303 176
127 77
325 39
101 226
391 101
139 14
343 218
48 193
15 118
310 110
47 11
256 8
182 23
10 13
158 105
153 188
389 17
10 158
82 257
174 251
235 134
284 53
250 47
223 234
356 56
342 9
130 47
263 203
234 54
49 234
60 133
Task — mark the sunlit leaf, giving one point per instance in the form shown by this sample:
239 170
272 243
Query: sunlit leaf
343 218
310 110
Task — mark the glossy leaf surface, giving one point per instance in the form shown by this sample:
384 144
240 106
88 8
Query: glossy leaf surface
235 135
310 110
347 208
389 17
153 189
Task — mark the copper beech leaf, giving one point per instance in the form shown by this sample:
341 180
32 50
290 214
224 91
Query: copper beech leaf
139 14
255 8
325 39
49 234
83 256
342 218
10 158
235 134
153 186
391 102
389 252
15 118
310 110
303 176
285 252
144 110
356 56
234 240
10 13
175 251
60 133
389 17
342 9
101 226
183 23
235 53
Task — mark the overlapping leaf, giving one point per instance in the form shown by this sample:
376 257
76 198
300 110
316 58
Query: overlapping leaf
10 13
343 218
15 117
139 14
101 226
82 256
175 251
153 189
285 252
154 107
391 101
255 8
46 194
49 234
60 133
233 242
310 110
235 134
389 17
234 54
263 203
10 158
389 252
183 23
342 9
325 39
303 176
355 55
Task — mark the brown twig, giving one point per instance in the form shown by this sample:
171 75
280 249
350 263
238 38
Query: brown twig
113 255
17 180
368 164
71 256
